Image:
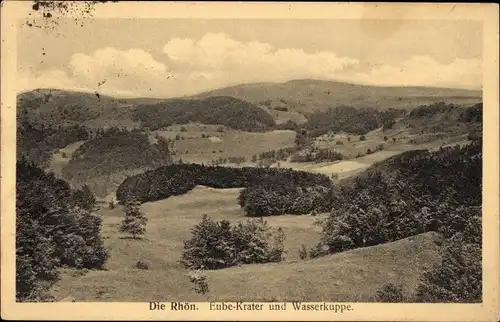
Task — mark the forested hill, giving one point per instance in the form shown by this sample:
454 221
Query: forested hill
309 95
229 111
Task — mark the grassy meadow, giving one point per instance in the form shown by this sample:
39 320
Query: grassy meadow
351 276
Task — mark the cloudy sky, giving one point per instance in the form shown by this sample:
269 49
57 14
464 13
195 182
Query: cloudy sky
176 57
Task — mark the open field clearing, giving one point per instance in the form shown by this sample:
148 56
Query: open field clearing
61 157
192 147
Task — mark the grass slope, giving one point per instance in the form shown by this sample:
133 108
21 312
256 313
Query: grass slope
350 276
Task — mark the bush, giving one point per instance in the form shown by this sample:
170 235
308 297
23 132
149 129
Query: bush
183 129
199 281
362 138
141 265
217 244
390 293
303 252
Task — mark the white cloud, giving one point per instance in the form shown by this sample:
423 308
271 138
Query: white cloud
53 78
216 60
230 61
425 71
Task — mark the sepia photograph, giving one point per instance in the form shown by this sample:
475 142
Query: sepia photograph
243 163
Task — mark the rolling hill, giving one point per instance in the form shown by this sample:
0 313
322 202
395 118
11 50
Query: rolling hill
225 110
308 95
62 107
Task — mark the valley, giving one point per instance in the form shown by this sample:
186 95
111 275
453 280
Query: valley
328 177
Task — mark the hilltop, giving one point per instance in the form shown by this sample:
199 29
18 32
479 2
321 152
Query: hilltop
308 95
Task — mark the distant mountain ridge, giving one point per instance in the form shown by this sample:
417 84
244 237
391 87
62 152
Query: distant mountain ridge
291 100
308 95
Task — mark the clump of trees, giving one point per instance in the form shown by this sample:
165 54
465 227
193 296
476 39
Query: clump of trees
116 150
278 154
177 179
408 194
430 110
278 199
472 114
349 119
218 244
54 228
228 111
36 142
412 193
314 154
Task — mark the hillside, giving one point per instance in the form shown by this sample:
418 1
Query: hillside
63 107
355 275
229 111
307 95
113 152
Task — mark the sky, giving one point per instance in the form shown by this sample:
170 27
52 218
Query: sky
176 57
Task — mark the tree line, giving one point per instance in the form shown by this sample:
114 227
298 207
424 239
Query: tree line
227 111
55 227
177 179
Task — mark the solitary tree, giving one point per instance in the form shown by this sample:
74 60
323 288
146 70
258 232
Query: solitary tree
134 222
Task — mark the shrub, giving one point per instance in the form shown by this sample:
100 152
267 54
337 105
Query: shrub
183 129
199 281
362 138
318 251
385 138
303 252
64 155
217 244
390 293
141 265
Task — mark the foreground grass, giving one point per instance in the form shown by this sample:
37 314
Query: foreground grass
351 276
